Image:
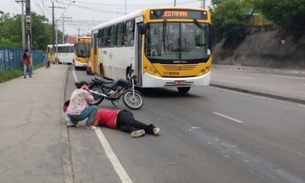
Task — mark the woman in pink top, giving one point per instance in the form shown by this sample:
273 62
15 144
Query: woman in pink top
79 108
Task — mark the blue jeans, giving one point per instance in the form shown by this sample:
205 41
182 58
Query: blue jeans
26 69
88 112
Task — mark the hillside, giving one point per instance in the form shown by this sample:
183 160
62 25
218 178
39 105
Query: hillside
263 49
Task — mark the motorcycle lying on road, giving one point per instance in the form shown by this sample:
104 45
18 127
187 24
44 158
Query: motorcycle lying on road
110 89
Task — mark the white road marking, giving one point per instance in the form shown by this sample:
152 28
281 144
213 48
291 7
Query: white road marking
228 117
242 77
112 157
109 152
291 77
75 78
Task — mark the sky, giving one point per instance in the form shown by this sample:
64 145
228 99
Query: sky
90 9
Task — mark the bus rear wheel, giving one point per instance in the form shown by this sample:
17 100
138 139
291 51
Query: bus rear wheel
183 89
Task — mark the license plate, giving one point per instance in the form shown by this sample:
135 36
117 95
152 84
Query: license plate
179 82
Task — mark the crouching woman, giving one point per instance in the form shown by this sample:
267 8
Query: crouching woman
78 108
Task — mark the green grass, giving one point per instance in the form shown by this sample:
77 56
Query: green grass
8 75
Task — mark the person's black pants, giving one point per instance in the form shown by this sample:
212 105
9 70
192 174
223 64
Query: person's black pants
127 123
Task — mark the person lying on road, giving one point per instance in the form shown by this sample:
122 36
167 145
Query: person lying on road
125 121
79 109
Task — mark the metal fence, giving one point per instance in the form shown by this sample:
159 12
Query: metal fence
11 58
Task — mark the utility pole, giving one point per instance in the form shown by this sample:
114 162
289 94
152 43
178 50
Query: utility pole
22 22
174 2
79 29
203 4
63 28
53 25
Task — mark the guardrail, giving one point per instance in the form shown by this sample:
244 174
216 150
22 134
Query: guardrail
11 58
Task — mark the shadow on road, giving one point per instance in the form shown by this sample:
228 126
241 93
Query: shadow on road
163 92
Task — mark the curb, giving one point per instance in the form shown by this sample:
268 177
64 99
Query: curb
280 97
66 151
274 70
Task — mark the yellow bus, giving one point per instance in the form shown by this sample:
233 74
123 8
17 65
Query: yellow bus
81 51
167 46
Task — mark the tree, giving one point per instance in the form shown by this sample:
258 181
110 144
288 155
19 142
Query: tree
287 14
11 33
228 19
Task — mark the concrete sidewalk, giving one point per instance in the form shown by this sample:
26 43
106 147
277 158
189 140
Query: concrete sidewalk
34 146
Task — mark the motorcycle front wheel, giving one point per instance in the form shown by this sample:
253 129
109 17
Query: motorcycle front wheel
97 98
131 102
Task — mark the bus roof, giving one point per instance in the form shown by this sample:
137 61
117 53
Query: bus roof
61 45
139 13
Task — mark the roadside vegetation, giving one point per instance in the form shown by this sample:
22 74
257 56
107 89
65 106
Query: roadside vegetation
11 36
229 17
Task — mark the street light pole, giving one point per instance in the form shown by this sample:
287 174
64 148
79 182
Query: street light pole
174 2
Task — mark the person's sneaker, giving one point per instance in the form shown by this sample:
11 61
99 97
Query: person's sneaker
156 131
137 133
91 127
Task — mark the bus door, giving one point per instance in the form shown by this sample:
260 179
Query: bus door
94 57
139 54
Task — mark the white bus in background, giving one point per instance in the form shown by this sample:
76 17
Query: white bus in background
65 53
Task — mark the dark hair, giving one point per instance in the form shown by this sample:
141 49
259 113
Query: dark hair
80 84
25 51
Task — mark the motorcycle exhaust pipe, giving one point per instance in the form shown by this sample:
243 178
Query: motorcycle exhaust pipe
97 93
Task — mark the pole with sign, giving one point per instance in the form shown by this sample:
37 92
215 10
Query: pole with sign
283 42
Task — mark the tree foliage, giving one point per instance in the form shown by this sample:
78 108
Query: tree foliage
287 14
11 32
228 19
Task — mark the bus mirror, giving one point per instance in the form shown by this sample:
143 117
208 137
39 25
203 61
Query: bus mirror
141 28
212 36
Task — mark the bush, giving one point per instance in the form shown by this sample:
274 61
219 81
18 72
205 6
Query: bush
8 75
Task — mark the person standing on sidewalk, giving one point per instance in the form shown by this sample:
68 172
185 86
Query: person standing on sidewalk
78 108
46 60
26 62
125 121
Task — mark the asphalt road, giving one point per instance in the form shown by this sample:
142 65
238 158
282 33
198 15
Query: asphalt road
209 135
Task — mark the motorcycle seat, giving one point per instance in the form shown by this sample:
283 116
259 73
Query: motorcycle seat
104 80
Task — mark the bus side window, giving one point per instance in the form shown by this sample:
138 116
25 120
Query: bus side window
105 37
119 34
112 36
100 38
129 27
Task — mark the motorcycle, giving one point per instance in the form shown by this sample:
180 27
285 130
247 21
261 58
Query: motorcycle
110 89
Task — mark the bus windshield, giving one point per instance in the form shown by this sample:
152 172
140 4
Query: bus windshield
82 49
177 41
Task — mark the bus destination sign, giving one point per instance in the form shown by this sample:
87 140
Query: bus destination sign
84 39
175 14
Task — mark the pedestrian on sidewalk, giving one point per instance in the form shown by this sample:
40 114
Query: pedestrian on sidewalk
26 63
125 121
46 60
78 108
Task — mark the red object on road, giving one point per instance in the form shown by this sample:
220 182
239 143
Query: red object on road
89 68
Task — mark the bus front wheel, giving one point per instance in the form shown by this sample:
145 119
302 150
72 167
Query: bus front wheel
183 89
